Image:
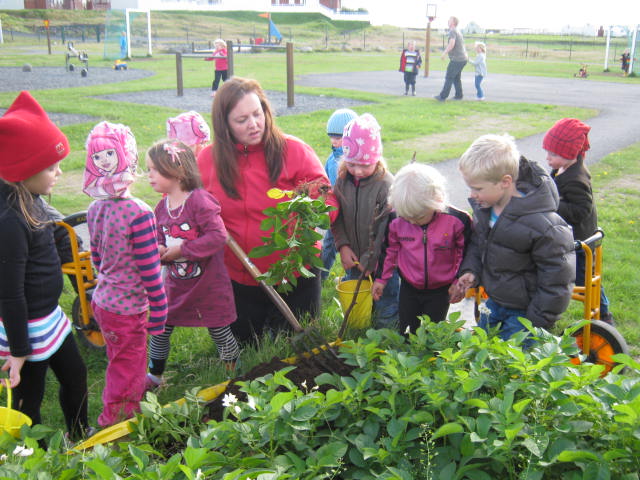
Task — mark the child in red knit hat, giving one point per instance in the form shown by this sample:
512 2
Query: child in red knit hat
35 333
566 144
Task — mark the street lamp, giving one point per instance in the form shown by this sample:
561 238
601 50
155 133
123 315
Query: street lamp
431 15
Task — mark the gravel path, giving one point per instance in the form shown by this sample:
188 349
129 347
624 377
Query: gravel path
615 126
47 78
198 99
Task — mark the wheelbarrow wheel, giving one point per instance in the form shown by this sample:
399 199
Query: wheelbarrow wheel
89 333
606 341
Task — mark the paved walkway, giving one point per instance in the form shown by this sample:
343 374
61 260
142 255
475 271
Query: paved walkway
616 126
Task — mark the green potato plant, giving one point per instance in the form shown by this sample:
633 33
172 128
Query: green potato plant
293 232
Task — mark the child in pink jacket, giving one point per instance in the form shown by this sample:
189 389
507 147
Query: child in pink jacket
426 242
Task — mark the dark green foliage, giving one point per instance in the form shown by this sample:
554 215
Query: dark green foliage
443 404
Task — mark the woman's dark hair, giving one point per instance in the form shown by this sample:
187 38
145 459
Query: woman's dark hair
225 151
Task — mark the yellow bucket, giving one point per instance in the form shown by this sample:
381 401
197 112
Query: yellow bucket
11 420
360 316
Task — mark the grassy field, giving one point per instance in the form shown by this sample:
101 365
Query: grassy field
436 131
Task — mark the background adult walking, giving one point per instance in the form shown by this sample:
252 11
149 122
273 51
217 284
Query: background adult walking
457 60
410 62
249 156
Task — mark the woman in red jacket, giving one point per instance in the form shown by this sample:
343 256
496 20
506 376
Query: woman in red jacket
249 156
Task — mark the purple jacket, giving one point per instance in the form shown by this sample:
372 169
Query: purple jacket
430 255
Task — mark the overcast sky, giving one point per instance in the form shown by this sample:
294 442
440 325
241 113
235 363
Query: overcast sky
537 14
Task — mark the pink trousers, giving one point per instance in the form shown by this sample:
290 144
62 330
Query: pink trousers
126 341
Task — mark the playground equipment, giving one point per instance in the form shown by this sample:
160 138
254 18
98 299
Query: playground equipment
582 73
80 271
120 65
598 340
82 56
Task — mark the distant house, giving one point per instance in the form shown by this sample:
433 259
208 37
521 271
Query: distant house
329 8
473 28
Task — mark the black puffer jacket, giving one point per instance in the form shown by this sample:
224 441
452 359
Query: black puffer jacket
576 200
526 261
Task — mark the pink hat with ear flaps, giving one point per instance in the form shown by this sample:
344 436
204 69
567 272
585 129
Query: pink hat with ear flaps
361 141
190 128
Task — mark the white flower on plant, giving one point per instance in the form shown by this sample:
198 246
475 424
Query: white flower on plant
407 330
483 309
251 402
22 451
199 475
237 409
229 399
3 457
304 384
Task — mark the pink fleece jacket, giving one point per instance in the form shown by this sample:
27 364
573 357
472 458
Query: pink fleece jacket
430 255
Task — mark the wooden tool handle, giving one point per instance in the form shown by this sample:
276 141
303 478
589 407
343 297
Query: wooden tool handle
269 290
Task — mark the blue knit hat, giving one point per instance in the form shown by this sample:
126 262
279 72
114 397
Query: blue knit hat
338 120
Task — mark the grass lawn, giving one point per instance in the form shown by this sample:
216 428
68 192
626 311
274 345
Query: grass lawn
436 131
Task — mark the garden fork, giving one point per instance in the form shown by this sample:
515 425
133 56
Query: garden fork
308 343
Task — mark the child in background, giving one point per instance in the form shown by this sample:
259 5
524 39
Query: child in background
362 190
480 63
35 334
410 63
191 129
335 127
124 251
521 250
426 242
192 239
625 59
566 144
221 64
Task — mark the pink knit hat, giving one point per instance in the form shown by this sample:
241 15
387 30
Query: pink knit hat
112 160
361 142
190 128
29 141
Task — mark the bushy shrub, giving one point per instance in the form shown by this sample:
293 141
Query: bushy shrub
442 404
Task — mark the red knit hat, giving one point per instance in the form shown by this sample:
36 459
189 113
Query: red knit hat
567 138
29 140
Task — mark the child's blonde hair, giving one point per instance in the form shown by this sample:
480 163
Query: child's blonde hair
416 189
481 46
490 158
221 42
174 159
381 168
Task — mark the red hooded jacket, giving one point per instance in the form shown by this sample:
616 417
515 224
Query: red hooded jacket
242 216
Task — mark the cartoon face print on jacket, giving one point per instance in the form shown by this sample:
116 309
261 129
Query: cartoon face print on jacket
112 159
175 234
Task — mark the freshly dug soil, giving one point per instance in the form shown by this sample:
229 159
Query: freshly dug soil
305 373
